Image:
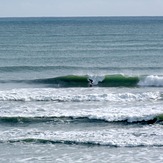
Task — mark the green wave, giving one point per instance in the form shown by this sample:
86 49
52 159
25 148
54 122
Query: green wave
83 81
66 81
116 80
119 80
159 118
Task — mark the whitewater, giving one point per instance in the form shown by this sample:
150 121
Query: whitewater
49 109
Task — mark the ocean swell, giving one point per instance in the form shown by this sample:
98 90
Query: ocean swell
116 80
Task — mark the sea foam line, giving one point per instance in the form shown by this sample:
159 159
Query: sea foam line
143 119
63 96
126 137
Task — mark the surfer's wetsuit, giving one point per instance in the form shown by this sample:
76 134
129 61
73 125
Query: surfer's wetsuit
90 82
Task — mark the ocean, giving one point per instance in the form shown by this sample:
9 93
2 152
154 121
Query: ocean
81 89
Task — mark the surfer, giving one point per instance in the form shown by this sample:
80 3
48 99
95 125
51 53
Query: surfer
90 82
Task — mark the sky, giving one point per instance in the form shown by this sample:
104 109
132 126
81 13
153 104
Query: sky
68 8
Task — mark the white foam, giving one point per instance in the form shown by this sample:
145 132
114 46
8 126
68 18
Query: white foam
104 112
110 106
152 80
96 79
72 95
125 137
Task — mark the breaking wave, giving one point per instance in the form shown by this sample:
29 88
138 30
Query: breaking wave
148 119
97 81
152 81
119 137
85 143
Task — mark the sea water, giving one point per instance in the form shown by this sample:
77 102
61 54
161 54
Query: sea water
49 109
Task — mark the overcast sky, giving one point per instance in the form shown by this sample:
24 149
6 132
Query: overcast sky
55 8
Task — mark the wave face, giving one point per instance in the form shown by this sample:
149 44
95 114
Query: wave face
83 81
103 81
116 80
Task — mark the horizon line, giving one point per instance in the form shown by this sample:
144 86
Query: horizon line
77 16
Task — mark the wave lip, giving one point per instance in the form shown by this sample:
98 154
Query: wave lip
65 81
